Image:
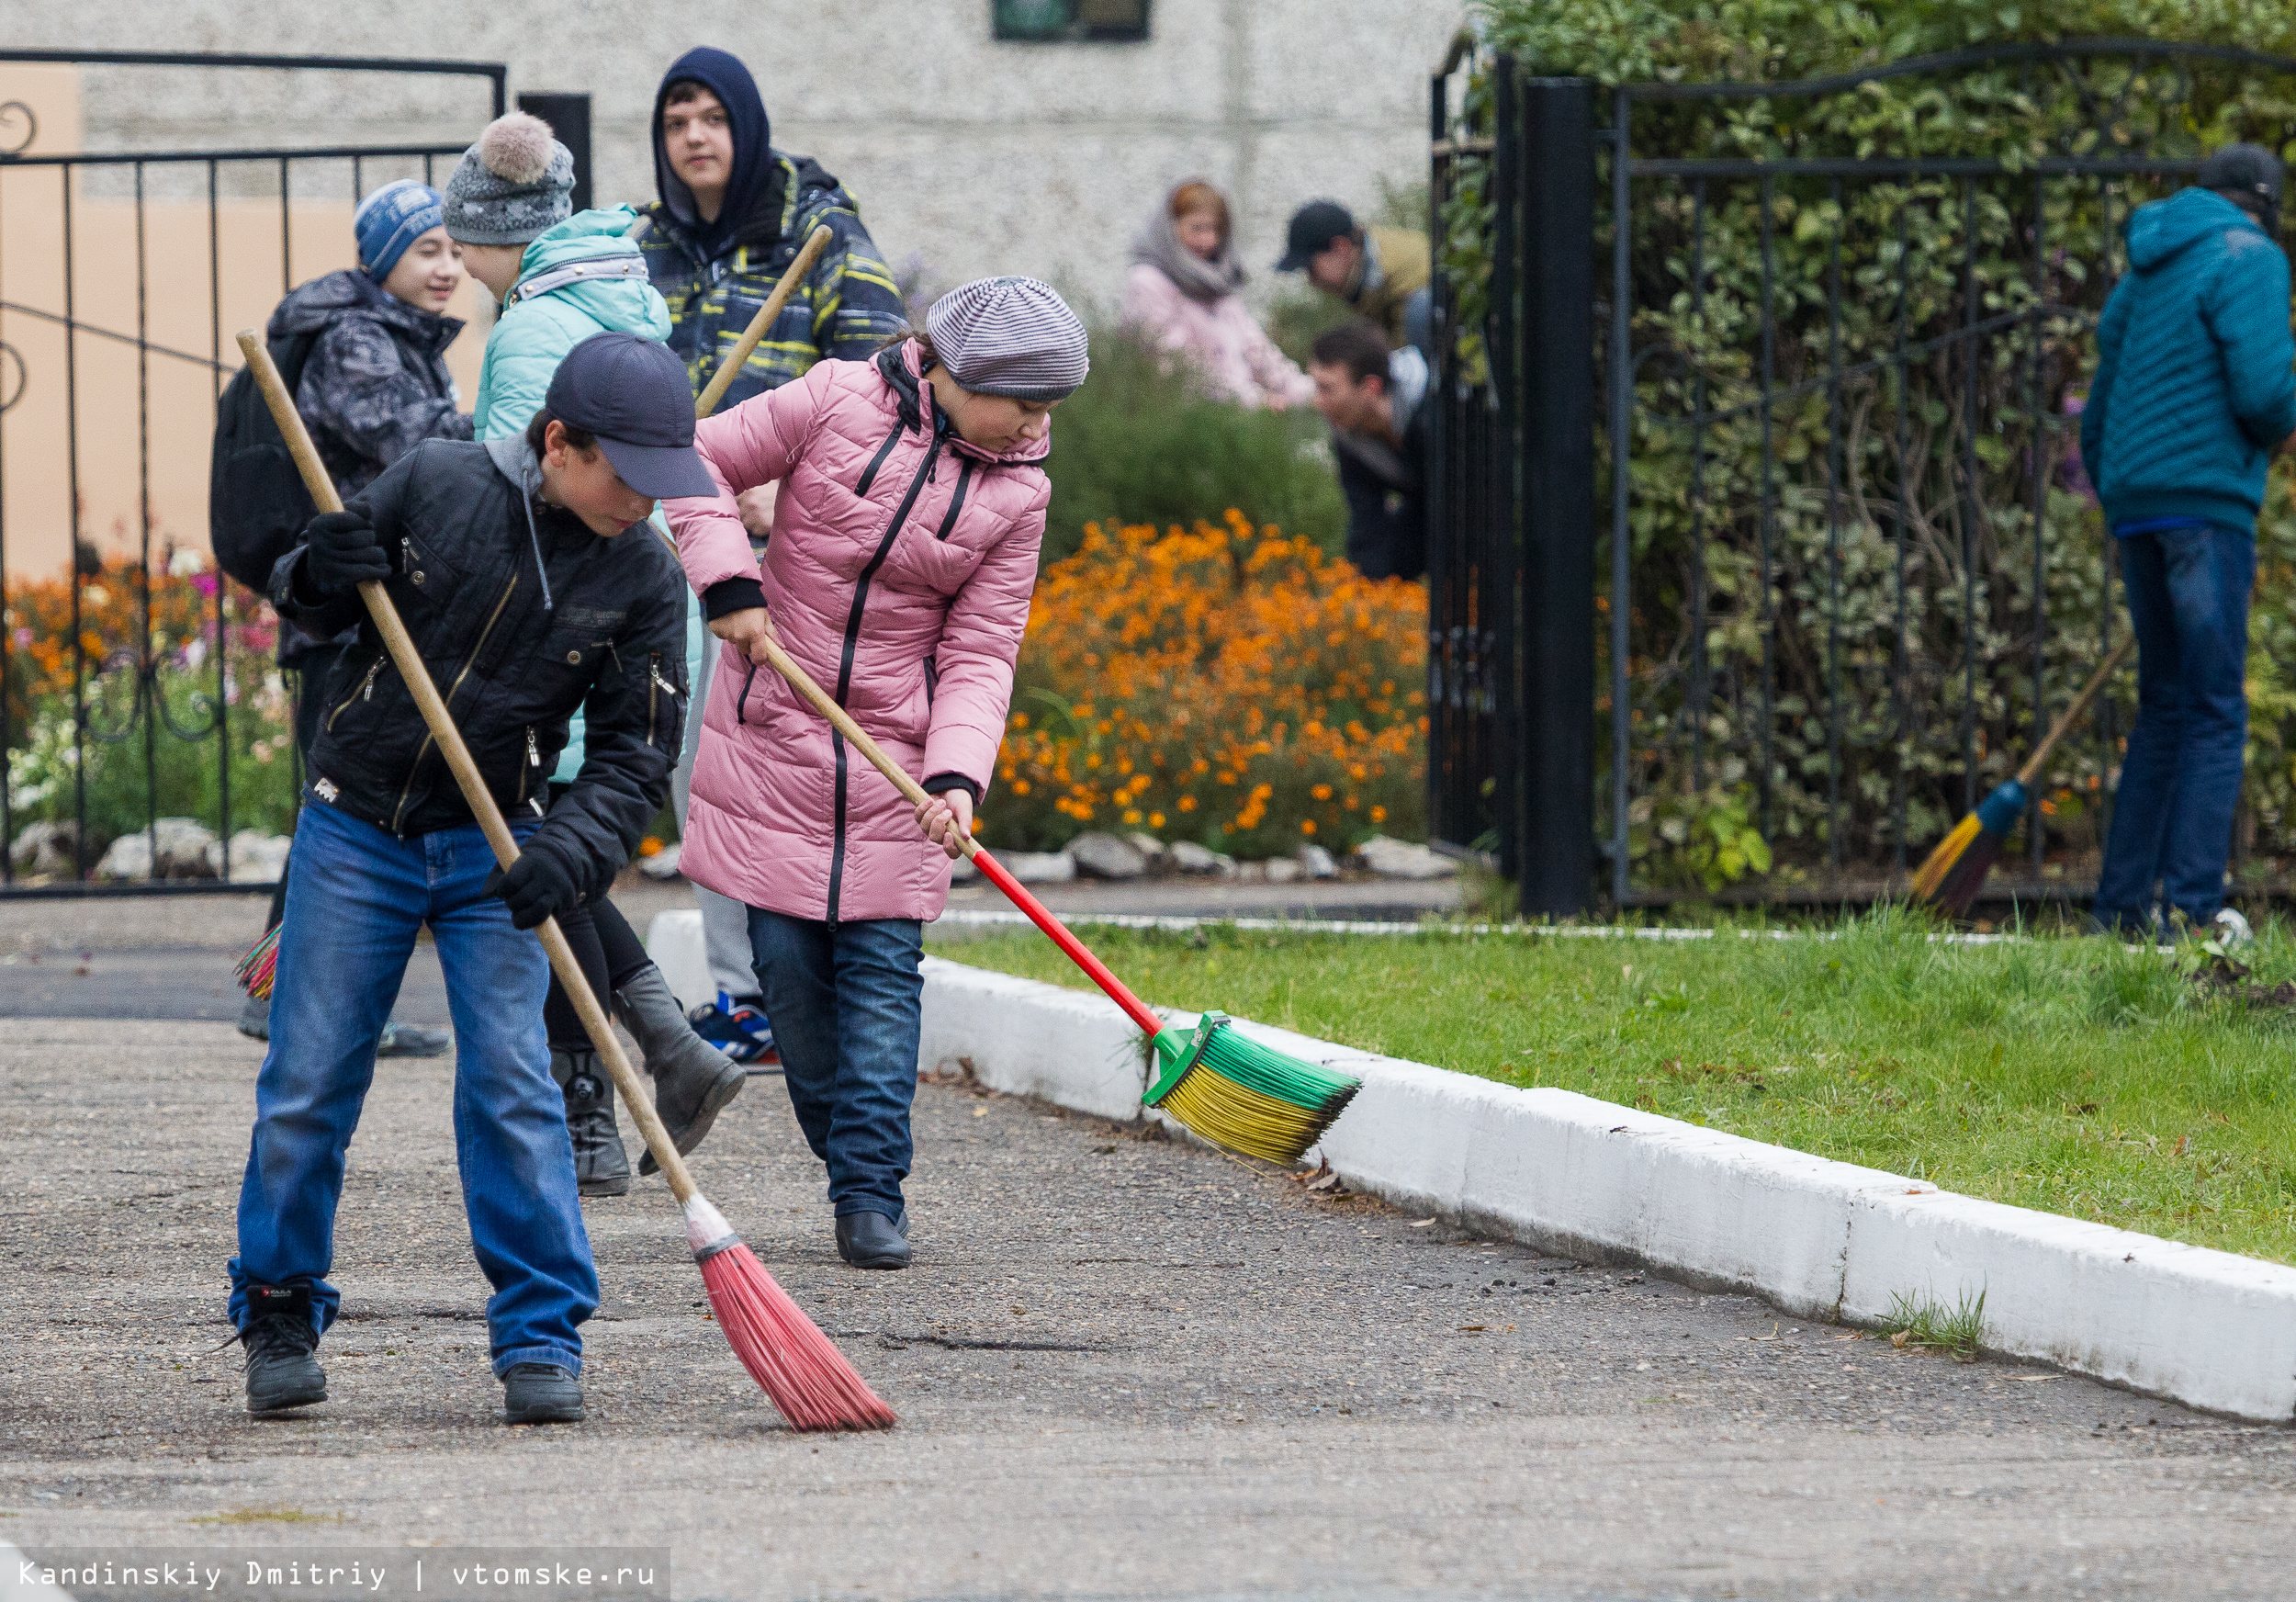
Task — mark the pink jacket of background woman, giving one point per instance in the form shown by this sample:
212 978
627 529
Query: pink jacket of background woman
1222 338
898 576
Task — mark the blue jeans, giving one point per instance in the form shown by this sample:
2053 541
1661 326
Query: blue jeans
846 1005
2172 820
356 896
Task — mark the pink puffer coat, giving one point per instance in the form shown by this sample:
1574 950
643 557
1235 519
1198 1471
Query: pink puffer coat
1229 349
898 576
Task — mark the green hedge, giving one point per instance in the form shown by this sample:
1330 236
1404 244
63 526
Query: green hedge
1834 582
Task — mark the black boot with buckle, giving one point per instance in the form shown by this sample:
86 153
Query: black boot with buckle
601 1166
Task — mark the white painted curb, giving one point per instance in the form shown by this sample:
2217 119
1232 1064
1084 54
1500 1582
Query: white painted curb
1572 1174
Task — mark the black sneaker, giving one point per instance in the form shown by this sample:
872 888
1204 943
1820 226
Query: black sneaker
541 1394
282 1362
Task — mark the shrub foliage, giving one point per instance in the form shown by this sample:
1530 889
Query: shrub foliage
1223 684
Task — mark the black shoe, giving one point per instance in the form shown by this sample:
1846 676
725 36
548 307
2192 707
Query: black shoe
408 1040
282 1363
871 1240
601 1166
541 1394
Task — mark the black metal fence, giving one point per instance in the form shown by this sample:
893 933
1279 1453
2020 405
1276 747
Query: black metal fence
1849 564
133 685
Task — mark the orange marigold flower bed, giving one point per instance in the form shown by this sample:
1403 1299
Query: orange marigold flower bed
1224 684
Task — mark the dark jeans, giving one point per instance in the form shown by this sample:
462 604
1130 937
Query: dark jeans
356 897
2172 820
846 1000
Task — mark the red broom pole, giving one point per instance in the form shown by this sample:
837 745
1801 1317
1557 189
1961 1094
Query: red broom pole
798 1367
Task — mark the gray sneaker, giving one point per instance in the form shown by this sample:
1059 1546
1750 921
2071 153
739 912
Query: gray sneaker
409 1039
255 1019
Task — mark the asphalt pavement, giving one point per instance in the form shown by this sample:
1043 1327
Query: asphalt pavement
1124 1368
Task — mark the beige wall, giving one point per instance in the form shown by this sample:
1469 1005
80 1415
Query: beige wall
968 156
181 297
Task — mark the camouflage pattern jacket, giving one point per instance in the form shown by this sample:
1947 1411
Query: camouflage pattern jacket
847 307
374 383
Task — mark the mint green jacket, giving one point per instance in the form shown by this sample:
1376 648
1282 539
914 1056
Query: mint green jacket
584 276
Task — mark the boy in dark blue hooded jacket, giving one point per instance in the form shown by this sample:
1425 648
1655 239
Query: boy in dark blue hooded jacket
734 213
2194 392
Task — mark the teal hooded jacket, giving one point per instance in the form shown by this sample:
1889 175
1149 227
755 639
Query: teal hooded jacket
584 276
2196 369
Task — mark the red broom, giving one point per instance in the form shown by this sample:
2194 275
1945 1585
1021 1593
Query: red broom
796 1365
1954 874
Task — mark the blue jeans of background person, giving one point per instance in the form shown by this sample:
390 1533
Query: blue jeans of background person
2172 821
847 1006
356 896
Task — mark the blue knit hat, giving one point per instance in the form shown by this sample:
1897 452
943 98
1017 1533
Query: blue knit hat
390 219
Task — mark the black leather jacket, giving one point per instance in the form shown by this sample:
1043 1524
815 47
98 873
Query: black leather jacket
522 615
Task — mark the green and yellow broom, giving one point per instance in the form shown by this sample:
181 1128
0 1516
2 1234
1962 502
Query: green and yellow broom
1222 1084
1955 871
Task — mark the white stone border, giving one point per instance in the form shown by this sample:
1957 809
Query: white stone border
1568 1173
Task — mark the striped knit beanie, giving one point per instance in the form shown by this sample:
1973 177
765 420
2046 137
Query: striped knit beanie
390 219
1014 337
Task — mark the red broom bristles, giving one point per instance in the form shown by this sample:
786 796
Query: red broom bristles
257 969
798 1368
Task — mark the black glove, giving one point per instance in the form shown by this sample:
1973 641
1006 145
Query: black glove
342 552
537 885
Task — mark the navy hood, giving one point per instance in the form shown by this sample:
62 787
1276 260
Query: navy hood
2166 229
726 78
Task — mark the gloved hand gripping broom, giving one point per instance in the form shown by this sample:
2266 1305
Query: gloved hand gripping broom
1224 1086
805 1375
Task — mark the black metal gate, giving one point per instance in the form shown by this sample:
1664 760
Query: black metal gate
1850 565
136 684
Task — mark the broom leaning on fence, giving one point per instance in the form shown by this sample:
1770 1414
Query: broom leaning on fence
798 1367
1955 871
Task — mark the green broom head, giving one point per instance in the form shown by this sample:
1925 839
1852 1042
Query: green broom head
1955 871
1244 1096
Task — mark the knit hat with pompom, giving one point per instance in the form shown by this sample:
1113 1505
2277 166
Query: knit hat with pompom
515 183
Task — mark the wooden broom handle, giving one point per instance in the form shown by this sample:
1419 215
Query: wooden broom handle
997 874
408 662
738 358
2071 715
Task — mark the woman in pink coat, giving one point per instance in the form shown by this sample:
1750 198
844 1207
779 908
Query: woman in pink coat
1181 294
898 573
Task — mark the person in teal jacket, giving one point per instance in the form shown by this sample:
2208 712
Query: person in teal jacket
2194 391
560 279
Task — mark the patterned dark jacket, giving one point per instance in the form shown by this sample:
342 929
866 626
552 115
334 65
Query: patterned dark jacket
847 306
375 385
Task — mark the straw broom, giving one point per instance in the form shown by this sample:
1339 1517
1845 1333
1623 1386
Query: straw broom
1227 1087
1955 871
800 1370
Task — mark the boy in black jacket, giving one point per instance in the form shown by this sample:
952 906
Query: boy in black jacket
528 592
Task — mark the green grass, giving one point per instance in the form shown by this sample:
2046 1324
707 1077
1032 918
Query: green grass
1921 1320
2066 1074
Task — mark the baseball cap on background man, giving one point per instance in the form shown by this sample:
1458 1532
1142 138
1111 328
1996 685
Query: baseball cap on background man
1313 227
633 393
2250 174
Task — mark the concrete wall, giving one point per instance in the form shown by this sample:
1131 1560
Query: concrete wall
976 156
968 156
